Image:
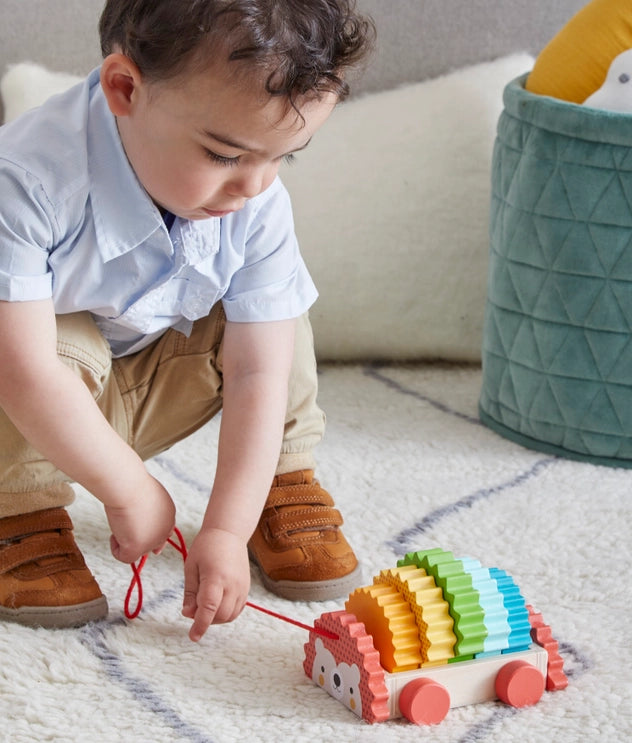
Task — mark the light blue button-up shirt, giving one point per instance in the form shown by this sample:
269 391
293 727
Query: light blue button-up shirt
76 225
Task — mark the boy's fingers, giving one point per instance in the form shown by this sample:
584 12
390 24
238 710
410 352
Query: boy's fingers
191 585
117 551
128 556
206 610
189 605
114 546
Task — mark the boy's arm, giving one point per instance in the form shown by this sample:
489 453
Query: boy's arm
56 413
257 359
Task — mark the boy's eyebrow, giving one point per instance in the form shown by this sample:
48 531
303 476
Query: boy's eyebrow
239 146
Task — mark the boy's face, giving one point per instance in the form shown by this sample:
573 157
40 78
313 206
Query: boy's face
206 143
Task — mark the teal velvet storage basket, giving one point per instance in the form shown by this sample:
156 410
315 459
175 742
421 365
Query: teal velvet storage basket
557 341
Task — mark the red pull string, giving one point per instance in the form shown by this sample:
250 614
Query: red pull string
136 581
317 630
180 546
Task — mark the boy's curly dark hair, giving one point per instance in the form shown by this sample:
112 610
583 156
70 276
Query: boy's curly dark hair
303 47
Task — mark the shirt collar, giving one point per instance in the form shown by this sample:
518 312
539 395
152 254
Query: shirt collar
124 214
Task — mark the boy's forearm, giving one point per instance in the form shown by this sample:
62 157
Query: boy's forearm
251 432
54 410
249 445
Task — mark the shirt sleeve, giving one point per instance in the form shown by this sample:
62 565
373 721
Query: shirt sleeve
274 283
26 236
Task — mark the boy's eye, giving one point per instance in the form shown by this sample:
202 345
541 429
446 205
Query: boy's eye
232 161
221 159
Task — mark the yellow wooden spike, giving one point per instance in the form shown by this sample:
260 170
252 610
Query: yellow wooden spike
429 608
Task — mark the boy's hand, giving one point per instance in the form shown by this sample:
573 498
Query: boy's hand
143 524
216 580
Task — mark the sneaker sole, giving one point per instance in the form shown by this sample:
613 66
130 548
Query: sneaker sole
316 590
57 617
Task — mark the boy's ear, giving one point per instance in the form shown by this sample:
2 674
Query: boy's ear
120 80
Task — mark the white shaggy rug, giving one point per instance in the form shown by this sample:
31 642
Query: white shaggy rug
410 467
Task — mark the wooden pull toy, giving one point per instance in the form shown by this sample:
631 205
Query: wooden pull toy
431 634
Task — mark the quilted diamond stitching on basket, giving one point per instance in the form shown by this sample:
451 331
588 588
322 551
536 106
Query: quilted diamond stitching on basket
557 345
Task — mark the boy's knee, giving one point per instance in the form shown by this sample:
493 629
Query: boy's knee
83 348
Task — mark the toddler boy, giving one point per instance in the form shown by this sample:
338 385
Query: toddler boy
149 277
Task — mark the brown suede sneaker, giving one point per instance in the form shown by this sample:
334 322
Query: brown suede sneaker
298 545
44 581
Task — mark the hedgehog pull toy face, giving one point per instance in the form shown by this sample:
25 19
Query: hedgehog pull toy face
430 634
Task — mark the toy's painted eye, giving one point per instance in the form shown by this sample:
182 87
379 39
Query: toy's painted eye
624 77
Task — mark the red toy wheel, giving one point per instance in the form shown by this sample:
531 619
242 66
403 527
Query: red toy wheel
519 684
424 702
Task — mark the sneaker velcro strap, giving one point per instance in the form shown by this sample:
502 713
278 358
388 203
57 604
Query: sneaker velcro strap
16 527
305 494
312 518
34 548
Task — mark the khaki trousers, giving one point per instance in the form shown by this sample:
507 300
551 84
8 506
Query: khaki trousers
153 399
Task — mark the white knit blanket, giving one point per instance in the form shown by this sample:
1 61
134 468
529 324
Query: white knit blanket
410 467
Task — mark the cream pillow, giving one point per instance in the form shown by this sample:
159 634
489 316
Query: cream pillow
391 203
26 85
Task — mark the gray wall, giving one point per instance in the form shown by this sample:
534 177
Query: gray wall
417 38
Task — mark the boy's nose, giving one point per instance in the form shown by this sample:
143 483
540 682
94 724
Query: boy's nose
251 182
